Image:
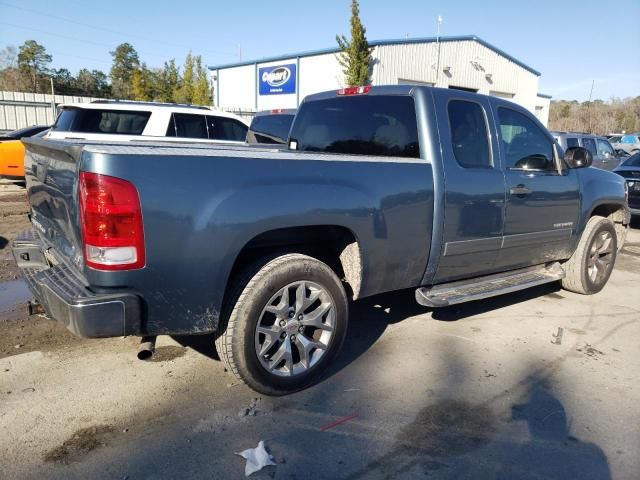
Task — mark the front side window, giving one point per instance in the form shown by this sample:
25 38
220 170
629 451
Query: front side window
590 144
378 125
525 145
572 142
469 138
92 120
222 128
187 125
604 148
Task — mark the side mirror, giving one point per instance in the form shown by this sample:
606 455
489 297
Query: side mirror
578 157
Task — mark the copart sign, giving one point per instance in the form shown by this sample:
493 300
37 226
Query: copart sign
277 79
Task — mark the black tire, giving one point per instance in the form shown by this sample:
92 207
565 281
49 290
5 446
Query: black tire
237 334
578 274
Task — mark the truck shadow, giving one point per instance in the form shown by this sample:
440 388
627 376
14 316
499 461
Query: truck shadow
370 317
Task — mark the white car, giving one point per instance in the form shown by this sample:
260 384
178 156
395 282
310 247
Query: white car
128 120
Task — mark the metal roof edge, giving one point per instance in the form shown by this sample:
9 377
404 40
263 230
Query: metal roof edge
378 43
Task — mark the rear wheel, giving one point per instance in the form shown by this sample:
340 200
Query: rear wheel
590 266
287 320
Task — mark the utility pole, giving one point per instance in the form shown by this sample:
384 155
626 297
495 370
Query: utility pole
239 52
53 100
439 22
589 107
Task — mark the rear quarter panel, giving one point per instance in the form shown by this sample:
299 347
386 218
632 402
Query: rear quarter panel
200 211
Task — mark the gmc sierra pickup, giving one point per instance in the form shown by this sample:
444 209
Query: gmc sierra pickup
458 195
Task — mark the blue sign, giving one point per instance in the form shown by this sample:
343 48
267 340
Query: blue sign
277 79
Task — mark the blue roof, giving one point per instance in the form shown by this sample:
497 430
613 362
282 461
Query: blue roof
378 43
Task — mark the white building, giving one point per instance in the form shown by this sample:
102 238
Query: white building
467 63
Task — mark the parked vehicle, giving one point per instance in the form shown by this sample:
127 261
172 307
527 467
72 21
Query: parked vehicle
603 153
458 195
630 170
629 143
12 151
271 126
127 120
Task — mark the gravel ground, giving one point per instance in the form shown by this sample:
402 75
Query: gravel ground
481 390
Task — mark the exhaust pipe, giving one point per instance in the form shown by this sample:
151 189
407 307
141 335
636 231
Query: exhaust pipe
147 347
34 308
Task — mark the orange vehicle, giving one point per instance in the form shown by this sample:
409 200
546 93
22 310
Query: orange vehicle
12 151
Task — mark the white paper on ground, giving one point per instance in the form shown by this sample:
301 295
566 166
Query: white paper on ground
257 458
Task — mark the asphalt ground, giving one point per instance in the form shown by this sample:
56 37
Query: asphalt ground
488 389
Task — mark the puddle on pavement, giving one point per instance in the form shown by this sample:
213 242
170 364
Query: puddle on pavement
13 292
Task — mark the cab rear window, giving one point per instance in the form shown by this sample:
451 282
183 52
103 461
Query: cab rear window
117 122
378 125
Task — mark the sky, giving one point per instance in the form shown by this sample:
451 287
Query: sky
572 43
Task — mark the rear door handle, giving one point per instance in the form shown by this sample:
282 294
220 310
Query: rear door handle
520 190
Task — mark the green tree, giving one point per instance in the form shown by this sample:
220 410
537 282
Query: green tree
184 93
93 83
168 82
355 56
142 84
201 85
125 63
33 61
64 82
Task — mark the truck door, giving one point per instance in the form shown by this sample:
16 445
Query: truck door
474 187
543 201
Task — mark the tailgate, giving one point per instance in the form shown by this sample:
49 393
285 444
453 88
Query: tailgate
51 173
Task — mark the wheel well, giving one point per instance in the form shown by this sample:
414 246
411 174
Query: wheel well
334 245
616 214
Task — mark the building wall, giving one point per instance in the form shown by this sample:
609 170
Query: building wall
466 64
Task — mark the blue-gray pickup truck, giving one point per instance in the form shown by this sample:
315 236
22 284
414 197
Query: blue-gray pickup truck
457 195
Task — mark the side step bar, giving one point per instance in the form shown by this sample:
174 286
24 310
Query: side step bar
488 286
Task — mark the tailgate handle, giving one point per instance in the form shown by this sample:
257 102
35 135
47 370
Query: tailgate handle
520 190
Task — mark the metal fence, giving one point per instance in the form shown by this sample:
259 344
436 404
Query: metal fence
19 109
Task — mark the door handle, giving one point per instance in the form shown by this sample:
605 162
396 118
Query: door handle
520 190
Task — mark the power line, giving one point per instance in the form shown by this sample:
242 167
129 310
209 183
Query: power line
48 15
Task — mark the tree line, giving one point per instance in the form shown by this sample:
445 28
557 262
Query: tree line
27 69
599 117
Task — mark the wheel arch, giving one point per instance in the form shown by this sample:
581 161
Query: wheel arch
335 245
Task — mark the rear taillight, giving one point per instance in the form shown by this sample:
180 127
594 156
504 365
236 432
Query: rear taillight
354 90
112 232
277 110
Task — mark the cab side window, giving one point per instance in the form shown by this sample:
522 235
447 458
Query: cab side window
572 142
469 137
525 145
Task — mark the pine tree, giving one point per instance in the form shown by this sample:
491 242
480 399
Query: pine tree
125 63
355 57
184 94
33 60
201 87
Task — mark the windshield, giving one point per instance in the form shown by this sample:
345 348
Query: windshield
632 161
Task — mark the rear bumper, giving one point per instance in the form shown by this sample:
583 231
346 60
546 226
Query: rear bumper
67 299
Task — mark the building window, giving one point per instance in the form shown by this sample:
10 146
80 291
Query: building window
495 93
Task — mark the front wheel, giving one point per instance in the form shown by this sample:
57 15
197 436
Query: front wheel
287 321
590 266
